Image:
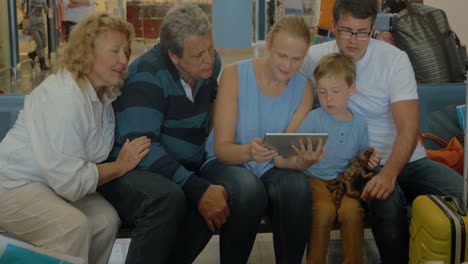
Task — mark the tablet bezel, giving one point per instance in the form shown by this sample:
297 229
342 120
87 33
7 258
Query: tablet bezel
282 142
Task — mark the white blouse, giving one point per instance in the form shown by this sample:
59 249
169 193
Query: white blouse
59 136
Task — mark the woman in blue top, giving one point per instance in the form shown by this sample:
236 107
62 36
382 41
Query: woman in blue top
257 96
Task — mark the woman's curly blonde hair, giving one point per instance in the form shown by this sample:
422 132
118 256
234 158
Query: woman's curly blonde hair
77 56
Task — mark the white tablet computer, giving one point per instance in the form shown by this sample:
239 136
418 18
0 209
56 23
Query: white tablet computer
282 141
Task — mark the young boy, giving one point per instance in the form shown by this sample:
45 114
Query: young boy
335 77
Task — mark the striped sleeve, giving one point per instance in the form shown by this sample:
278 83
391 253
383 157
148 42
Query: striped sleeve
140 112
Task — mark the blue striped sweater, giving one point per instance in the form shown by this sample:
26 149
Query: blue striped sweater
153 104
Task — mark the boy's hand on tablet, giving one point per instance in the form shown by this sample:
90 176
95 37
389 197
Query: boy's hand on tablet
307 155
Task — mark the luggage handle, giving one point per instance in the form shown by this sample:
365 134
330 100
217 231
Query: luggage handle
465 159
461 210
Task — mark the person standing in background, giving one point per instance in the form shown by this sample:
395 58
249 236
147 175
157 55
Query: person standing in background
32 9
325 23
295 7
76 10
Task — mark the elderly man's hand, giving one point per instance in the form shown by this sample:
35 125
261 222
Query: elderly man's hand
213 207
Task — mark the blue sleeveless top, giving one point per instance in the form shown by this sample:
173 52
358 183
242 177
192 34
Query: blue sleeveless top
258 114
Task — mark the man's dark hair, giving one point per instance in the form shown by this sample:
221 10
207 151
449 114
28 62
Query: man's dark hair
394 6
360 9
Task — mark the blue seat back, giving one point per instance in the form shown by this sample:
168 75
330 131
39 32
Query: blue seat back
10 105
437 110
437 114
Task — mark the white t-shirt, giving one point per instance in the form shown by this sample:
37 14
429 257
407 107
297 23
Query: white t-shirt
59 136
384 76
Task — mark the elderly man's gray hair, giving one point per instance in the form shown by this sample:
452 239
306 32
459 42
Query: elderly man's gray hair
180 22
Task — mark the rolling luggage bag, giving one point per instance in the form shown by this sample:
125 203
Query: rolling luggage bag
438 230
439 226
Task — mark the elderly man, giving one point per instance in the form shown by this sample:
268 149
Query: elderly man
167 97
386 95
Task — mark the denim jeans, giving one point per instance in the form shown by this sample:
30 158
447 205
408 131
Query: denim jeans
283 194
247 201
155 208
390 225
289 209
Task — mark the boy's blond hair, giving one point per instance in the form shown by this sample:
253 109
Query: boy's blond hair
336 64
294 25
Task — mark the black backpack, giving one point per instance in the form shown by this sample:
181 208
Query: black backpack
434 50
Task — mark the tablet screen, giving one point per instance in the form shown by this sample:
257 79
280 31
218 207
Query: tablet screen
282 142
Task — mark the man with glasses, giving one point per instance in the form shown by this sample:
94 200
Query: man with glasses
386 95
325 24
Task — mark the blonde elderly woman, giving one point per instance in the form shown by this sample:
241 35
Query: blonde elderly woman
49 161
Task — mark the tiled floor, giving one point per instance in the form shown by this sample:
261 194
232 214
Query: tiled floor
262 252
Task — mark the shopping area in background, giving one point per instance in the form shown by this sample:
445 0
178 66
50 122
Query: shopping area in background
20 68
318 14
146 17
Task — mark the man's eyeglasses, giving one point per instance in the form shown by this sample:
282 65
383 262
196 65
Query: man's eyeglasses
360 35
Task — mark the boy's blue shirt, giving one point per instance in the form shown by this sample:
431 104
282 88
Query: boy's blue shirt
346 139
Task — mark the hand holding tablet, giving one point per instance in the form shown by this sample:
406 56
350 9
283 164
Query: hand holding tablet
282 142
